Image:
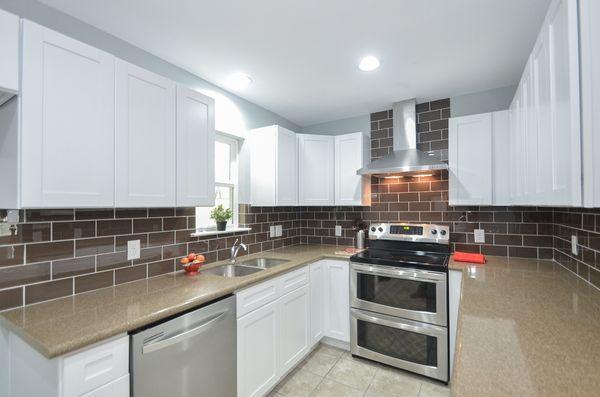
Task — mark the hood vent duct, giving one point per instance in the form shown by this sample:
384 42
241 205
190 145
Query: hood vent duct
405 157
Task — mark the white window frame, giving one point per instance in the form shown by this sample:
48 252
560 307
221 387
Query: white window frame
233 182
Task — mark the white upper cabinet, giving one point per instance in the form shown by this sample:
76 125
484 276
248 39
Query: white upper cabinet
9 53
590 94
195 148
500 157
145 138
274 166
470 160
352 152
565 174
67 122
316 169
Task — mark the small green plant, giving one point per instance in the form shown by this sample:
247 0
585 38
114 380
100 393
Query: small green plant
220 214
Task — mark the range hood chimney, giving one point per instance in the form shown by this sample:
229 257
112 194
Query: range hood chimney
405 158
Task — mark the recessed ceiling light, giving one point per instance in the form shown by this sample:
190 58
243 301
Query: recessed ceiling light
368 63
239 81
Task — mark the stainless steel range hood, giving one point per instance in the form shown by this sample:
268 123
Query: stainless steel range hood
405 158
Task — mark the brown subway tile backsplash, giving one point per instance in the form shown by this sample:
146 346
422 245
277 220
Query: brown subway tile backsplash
28 233
24 274
130 274
11 255
10 298
114 227
39 252
51 290
93 281
73 230
94 246
73 267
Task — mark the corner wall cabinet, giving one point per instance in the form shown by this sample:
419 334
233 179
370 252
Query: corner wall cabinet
352 152
9 52
96 131
274 166
543 134
316 169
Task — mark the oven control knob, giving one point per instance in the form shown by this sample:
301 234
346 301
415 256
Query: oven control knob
373 229
380 229
434 231
443 232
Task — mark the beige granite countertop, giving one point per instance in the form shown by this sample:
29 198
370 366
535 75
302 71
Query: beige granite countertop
526 328
64 325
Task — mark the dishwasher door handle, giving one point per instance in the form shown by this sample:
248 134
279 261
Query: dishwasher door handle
209 322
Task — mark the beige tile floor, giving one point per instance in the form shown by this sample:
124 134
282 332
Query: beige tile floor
331 372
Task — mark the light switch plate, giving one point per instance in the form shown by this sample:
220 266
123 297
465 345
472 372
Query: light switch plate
479 236
278 230
574 248
133 249
338 230
272 231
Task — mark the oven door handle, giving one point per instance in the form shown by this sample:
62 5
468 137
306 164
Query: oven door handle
412 274
406 325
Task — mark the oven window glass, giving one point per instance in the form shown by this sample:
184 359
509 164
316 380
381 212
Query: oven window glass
396 292
397 343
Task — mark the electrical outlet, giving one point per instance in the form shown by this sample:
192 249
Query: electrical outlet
272 231
338 230
133 249
278 230
574 248
479 236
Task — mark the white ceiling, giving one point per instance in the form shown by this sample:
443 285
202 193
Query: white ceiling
303 54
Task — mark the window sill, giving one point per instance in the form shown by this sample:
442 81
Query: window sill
234 229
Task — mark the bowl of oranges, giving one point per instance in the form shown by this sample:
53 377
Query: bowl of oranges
192 262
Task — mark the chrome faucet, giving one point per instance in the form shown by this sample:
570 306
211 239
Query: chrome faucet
235 248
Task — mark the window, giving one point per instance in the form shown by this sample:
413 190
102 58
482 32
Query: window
226 183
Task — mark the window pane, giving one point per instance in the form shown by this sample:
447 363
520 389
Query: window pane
222 162
223 196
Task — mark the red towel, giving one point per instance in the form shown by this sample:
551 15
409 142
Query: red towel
468 257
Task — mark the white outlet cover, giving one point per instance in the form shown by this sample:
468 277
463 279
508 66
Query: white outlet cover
133 249
272 231
479 236
278 230
338 230
574 248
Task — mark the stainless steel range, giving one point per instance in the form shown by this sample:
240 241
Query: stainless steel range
399 298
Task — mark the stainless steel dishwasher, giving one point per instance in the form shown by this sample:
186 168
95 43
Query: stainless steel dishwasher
190 355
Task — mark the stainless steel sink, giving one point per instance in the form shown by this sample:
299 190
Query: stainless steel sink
262 263
232 270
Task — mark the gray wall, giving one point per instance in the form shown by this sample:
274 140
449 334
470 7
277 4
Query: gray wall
343 126
234 115
482 102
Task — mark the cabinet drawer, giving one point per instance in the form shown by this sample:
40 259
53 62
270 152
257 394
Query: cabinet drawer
116 388
90 369
257 296
295 279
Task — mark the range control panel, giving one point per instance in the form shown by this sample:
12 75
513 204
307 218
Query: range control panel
426 233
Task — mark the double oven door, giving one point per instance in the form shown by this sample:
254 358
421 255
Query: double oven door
399 318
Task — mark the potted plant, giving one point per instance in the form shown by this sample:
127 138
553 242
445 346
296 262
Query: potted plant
221 216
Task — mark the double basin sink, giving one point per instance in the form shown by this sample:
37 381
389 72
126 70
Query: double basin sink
244 268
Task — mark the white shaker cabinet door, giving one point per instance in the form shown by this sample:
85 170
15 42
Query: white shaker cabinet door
258 351
195 148
294 320
316 169
337 298
287 168
351 151
9 53
67 104
470 160
565 135
590 94
145 138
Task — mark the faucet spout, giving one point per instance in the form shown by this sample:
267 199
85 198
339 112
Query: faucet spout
235 248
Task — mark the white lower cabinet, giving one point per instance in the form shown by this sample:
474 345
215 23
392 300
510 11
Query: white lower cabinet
258 351
277 325
101 370
337 300
294 327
